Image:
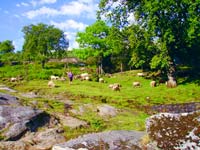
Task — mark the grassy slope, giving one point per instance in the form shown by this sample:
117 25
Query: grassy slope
128 100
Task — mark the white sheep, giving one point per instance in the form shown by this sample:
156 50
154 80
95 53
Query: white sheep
54 77
101 80
140 74
115 86
13 79
51 84
171 83
136 84
153 83
85 76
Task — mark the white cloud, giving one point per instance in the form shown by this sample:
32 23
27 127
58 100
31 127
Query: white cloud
70 24
85 8
72 40
22 4
42 2
42 11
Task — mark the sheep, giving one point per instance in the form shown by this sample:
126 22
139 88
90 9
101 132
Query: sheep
85 76
136 84
101 80
140 74
54 77
171 83
115 86
153 83
13 79
51 84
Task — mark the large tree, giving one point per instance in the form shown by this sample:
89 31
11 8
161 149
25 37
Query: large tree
43 41
174 26
93 41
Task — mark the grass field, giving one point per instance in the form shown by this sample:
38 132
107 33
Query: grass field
129 100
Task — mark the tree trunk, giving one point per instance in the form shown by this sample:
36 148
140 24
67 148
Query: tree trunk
43 64
171 83
121 67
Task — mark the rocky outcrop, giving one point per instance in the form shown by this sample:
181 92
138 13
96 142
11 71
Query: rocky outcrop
43 140
111 140
17 120
175 131
6 99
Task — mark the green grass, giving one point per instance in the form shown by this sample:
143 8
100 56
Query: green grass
129 100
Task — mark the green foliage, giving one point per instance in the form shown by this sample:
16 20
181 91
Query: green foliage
43 42
6 47
167 29
93 41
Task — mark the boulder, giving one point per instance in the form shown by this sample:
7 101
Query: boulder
6 99
110 140
17 120
175 131
44 140
106 110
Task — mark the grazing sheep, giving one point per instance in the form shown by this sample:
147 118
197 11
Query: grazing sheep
171 83
101 80
13 79
140 74
136 84
153 83
115 86
85 76
54 77
51 84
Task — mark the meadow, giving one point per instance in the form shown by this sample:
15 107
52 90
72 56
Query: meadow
130 102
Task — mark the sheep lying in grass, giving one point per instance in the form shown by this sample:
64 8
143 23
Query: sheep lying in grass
136 84
51 84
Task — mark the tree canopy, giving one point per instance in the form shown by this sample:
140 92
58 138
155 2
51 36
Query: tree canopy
6 47
43 41
170 30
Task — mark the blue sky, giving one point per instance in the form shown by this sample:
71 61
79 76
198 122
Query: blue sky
70 16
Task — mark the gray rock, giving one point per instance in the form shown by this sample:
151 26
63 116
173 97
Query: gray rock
12 145
106 111
71 121
6 99
17 120
2 87
111 140
175 131
44 140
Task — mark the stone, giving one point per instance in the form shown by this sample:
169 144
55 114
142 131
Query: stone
175 131
6 99
106 110
16 120
72 122
110 140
